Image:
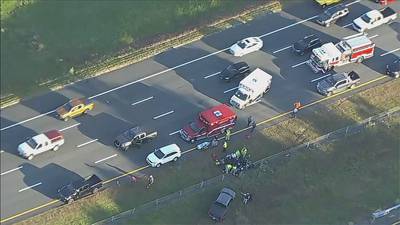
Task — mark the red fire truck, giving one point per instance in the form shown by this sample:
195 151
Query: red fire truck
354 48
210 122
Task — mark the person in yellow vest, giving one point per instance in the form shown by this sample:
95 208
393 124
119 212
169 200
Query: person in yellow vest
225 146
228 134
243 152
228 168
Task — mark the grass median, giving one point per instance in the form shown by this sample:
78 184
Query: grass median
197 166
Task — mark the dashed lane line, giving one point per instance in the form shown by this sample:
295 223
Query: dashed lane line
299 64
66 128
347 25
12 170
229 90
32 186
282 49
394 50
319 78
86 143
175 132
164 114
211 75
143 100
106 158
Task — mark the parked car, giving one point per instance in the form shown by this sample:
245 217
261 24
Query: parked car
374 18
235 70
50 140
133 137
74 108
306 44
245 46
219 208
325 3
393 69
80 188
337 83
332 14
164 155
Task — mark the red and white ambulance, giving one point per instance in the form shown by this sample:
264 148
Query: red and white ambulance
355 48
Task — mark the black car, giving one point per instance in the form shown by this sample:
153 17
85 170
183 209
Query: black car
219 208
233 71
393 69
80 188
332 14
133 137
306 44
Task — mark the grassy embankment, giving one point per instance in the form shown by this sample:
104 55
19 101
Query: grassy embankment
340 175
50 43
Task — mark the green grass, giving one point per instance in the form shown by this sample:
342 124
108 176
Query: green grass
318 173
44 40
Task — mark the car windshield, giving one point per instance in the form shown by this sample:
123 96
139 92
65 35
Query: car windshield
366 18
330 80
159 153
194 126
242 44
241 95
329 12
130 133
32 143
316 60
68 106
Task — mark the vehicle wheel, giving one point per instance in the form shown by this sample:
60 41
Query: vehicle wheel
327 25
324 6
86 111
360 60
95 190
30 157
329 94
71 200
55 148
352 86
397 75
193 140
175 159
158 165
66 118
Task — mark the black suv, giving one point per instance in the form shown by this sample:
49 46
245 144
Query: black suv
393 69
239 69
332 14
80 188
306 44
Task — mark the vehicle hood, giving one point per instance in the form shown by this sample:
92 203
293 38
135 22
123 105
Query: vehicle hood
235 101
394 67
299 46
323 85
360 22
217 211
123 138
235 49
152 158
67 191
61 111
189 131
323 17
24 148
226 74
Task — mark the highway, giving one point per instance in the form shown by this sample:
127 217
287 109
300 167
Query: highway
166 92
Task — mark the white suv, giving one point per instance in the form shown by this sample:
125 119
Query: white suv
163 155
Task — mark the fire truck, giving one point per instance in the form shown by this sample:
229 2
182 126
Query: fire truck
351 49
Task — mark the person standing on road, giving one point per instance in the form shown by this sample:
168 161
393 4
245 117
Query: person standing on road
249 121
225 146
253 127
214 142
297 106
151 181
228 134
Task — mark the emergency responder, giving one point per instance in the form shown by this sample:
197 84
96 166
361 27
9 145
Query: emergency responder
228 168
297 106
225 146
237 154
228 134
214 142
243 152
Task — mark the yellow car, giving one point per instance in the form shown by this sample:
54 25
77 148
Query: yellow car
74 108
325 3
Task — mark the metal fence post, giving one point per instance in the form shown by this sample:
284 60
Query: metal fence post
133 211
157 202
347 130
180 193
202 184
223 177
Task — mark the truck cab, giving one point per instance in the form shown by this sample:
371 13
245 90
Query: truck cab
210 122
50 140
251 89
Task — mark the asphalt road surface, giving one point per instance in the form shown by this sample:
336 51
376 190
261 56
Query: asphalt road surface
166 92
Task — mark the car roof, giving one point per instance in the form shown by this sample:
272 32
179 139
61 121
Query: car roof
336 8
52 134
170 148
225 196
217 113
136 130
239 65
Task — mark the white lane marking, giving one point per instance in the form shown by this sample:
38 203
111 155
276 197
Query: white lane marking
86 143
32 186
299 64
1 151
279 50
143 100
351 3
9 171
164 71
211 75
164 114
230 90
175 132
319 78
288 26
109 157
374 36
347 25
66 128
27 120
394 50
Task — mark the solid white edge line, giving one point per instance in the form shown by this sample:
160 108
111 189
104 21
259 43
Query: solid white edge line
66 128
319 78
143 100
24 189
394 50
27 120
347 25
9 171
288 26
299 64
351 3
211 75
86 143
109 157
164 114
174 132
282 49
1 151
229 90
373 36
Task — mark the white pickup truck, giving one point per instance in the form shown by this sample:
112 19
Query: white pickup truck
251 89
50 140
374 18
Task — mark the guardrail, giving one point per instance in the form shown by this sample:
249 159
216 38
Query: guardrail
265 164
